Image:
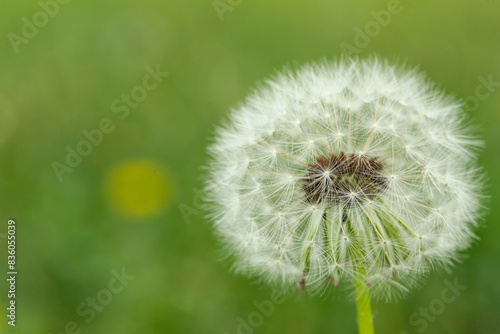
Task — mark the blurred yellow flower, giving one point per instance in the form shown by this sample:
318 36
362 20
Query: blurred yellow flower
138 188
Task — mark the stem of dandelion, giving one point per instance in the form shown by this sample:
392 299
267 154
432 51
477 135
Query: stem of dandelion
363 307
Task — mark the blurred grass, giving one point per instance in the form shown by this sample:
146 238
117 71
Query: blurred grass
70 237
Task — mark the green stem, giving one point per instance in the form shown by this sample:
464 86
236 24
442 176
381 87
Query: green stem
363 307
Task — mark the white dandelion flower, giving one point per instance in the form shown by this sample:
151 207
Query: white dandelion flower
343 171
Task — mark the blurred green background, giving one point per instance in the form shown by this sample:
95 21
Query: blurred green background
132 201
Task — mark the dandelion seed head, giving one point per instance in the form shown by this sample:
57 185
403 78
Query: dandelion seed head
347 169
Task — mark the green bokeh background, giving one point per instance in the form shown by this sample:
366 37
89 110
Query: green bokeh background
69 234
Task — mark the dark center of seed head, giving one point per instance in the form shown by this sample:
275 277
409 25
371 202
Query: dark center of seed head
344 178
